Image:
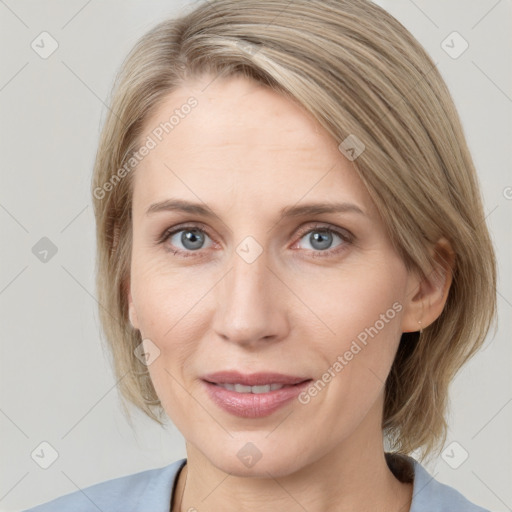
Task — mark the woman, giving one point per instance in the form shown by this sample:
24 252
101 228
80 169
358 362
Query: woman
293 261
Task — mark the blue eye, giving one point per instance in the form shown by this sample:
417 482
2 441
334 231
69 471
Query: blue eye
189 240
321 239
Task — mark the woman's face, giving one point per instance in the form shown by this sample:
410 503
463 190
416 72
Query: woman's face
259 285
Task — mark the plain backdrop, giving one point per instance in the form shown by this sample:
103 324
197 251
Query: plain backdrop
56 383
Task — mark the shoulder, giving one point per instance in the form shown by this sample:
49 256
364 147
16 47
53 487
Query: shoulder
430 495
147 490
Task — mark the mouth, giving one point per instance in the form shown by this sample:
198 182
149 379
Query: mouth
257 382
240 388
253 395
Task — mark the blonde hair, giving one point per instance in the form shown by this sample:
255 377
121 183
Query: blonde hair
359 72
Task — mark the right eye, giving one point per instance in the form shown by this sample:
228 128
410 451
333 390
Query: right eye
185 240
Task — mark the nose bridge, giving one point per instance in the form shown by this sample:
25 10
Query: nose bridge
248 302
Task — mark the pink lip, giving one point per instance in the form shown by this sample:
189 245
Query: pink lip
252 405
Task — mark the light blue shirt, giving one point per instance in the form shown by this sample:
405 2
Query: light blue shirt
152 491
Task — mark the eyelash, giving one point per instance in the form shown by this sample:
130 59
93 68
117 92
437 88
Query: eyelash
345 236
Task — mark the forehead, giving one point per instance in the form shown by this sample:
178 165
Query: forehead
232 113
244 140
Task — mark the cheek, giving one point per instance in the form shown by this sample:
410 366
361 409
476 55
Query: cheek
361 320
349 301
169 313
354 361
172 312
164 298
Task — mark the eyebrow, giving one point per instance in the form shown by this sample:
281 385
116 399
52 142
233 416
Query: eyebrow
181 205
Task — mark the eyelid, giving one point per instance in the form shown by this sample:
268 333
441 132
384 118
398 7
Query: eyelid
343 233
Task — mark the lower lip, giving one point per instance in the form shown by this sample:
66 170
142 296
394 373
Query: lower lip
253 405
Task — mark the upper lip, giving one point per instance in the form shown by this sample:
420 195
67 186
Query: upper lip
253 379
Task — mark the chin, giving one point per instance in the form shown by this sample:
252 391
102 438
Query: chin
246 456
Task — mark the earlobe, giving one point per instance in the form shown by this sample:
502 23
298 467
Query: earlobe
430 294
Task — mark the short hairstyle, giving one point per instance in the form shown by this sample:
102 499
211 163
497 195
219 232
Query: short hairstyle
360 73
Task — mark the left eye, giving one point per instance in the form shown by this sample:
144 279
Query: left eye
321 239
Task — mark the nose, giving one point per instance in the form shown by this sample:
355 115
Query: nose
251 302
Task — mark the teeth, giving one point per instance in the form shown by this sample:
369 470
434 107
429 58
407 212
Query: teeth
240 388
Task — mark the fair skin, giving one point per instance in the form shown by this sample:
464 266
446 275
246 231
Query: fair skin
247 152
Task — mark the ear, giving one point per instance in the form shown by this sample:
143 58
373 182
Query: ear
426 297
131 309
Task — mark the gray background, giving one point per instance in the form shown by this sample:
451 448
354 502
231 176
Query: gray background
56 383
